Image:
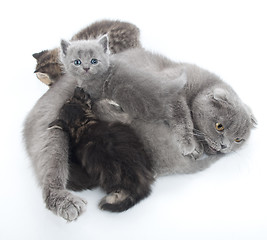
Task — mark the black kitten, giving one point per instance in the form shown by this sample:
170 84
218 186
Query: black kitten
104 154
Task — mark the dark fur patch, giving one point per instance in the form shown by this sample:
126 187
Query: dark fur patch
108 155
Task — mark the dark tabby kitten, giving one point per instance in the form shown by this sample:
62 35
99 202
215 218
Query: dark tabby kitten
110 155
122 36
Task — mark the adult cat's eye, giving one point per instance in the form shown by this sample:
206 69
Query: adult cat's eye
238 140
77 62
219 127
94 61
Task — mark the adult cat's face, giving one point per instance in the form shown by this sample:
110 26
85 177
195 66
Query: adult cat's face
222 120
85 60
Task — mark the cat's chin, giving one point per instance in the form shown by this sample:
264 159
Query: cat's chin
227 150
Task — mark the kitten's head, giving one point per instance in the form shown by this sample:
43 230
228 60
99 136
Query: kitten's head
48 68
223 120
75 113
85 59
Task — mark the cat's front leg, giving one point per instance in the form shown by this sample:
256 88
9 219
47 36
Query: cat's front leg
182 124
187 143
53 173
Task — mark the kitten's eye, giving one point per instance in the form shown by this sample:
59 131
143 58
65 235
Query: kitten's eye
238 140
77 62
219 127
94 61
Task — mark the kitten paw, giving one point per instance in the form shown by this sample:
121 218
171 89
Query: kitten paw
66 205
43 77
116 201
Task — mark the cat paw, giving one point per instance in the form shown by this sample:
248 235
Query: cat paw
43 77
187 146
66 205
197 153
116 201
191 148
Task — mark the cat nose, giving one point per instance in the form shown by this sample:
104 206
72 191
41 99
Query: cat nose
223 146
86 69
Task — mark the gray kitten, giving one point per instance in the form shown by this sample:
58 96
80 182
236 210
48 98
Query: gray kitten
176 126
149 95
122 36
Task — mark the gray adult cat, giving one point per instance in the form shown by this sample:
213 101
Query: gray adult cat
48 150
176 126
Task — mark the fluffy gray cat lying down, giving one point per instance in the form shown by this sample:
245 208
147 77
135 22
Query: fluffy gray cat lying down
210 116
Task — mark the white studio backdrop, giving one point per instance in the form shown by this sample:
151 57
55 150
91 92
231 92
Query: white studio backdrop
226 201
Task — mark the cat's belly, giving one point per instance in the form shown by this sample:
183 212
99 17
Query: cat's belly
162 145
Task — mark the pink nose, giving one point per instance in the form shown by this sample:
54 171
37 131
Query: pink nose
86 69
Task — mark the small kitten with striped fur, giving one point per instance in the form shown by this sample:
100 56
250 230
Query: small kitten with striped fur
110 155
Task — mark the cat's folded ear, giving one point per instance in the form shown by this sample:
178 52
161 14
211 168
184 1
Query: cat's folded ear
64 46
103 41
253 119
38 55
220 95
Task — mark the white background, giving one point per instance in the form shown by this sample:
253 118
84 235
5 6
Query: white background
226 201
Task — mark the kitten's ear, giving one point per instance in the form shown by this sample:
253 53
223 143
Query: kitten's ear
103 41
220 95
64 46
38 55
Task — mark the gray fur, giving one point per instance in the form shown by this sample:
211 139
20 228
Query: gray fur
48 150
203 101
140 93
176 126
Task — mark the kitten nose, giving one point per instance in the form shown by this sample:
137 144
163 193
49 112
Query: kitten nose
86 69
